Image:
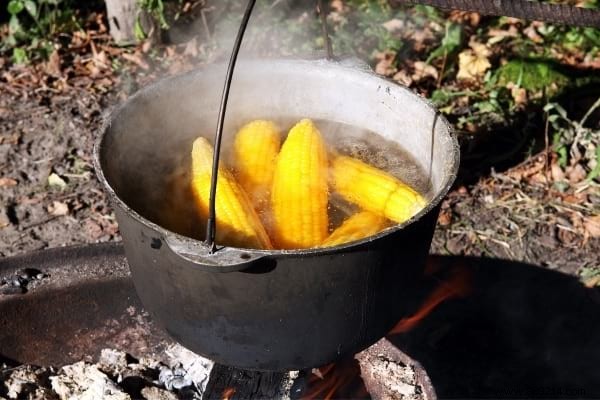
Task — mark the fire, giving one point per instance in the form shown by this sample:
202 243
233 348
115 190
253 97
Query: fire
457 285
342 380
336 381
228 393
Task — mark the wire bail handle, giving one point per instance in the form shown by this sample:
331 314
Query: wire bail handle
211 226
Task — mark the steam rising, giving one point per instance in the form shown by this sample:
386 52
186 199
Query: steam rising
149 161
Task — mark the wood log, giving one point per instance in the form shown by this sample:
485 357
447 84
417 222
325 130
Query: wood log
233 383
122 18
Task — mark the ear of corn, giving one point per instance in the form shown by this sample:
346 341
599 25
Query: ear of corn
237 222
358 226
299 192
375 190
255 150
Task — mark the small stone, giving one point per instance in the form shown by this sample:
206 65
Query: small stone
154 393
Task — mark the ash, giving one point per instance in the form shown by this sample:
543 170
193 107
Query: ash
116 376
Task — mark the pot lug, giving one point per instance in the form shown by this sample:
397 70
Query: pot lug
198 255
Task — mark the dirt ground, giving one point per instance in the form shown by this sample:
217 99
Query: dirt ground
49 195
41 136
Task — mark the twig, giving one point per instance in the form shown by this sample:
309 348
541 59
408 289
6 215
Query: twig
325 29
589 112
205 24
546 150
442 70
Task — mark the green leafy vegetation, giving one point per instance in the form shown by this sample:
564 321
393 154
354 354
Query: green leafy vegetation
33 24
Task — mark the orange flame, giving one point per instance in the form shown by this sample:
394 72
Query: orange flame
457 285
336 381
228 393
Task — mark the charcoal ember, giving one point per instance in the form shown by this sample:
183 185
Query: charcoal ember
154 393
27 382
82 381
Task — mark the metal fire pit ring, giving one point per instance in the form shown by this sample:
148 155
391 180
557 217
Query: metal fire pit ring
86 302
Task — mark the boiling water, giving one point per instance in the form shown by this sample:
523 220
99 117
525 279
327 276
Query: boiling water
177 213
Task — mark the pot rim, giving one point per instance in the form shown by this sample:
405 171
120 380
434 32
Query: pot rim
449 178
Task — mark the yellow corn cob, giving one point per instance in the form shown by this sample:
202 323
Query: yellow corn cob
237 222
375 190
255 149
358 226
299 192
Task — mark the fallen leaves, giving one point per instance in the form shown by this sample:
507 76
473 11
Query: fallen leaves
7 182
590 276
386 61
592 226
54 180
58 209
473 63
423 71
519 94
394 25
53 65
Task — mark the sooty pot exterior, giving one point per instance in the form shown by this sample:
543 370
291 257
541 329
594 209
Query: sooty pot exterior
270 310
284 312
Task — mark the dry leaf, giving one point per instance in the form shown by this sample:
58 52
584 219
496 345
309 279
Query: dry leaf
518 94
592 226
403 78
424 70
592 281
497 35
472 18
191 48
473 63
557 172
53 64
7 182
56 181
58 208
385 63
393 25
445 218
532 33
576 174
136 59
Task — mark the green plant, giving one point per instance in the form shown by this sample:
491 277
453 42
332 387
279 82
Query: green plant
451 41
33 23
573 141
156 10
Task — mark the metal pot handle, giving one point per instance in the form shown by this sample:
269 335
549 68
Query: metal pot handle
196 254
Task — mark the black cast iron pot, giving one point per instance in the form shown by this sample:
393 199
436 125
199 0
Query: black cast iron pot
269 310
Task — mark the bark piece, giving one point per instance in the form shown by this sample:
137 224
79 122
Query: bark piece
122 17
